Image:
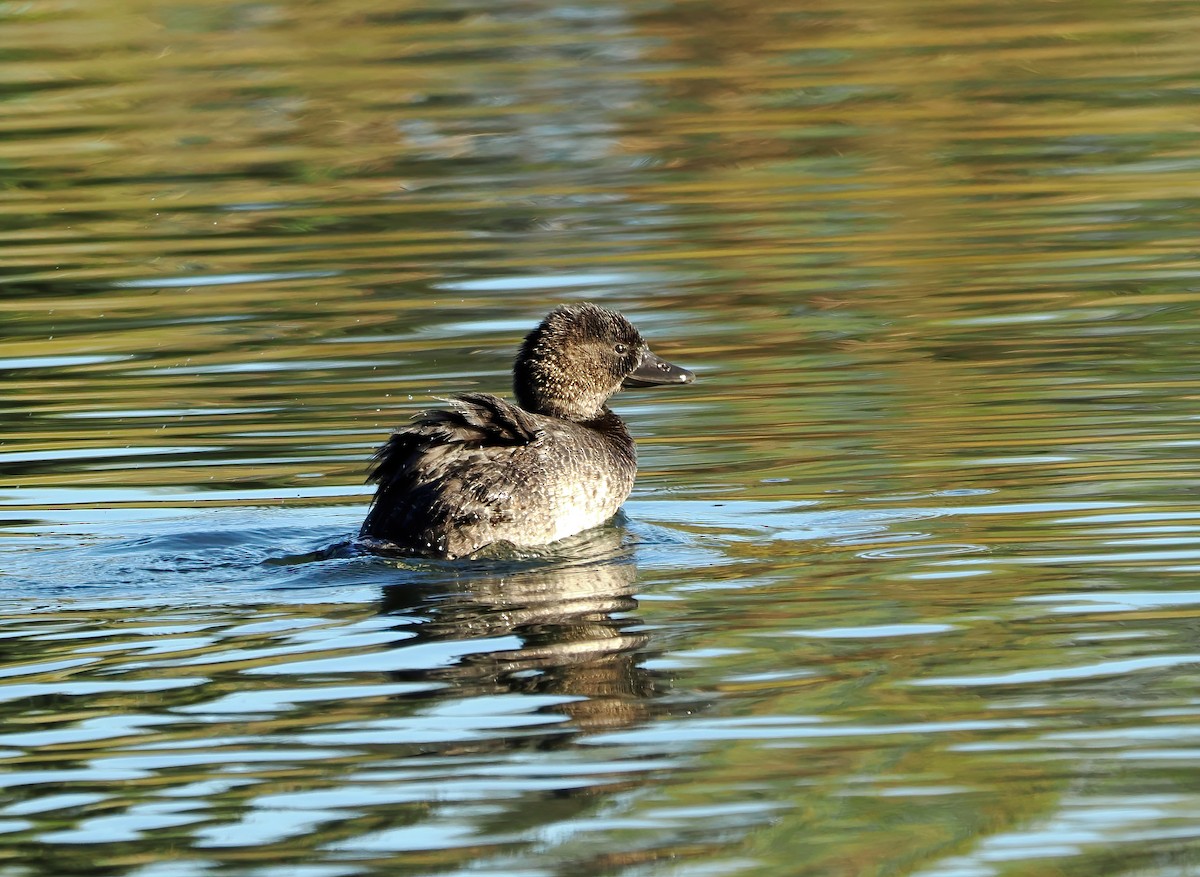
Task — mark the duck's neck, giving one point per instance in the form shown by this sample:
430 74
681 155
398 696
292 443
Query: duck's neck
580 409
613 431
552 393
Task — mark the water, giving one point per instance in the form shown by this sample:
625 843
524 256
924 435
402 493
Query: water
907 584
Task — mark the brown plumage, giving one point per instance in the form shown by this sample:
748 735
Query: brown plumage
484 470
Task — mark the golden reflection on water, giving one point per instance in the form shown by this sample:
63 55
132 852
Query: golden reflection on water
906 584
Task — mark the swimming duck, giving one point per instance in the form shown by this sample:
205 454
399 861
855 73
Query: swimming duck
486 471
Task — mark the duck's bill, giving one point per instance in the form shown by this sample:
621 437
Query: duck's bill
653 371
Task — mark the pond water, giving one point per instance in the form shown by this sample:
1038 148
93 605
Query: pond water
907 586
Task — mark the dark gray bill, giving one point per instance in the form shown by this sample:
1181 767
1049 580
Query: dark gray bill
652 372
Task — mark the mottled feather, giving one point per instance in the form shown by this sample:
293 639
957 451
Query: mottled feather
483 470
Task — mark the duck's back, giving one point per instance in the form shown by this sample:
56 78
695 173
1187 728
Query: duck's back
486 471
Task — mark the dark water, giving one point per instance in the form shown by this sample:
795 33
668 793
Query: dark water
908 585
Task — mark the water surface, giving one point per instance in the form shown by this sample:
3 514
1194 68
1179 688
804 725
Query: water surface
907 584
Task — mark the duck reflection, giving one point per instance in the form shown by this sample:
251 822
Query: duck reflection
570 617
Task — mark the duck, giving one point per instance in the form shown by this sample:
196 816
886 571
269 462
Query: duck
483 471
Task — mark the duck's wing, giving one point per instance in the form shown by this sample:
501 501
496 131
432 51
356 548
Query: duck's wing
443 474
473 419
481 419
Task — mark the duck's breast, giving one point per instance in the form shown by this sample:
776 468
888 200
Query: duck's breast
576 477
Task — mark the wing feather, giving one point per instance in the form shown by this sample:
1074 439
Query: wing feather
415 463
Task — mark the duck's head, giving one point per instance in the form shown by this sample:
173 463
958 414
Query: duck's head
579 356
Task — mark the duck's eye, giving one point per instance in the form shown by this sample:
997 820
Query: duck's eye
621 348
